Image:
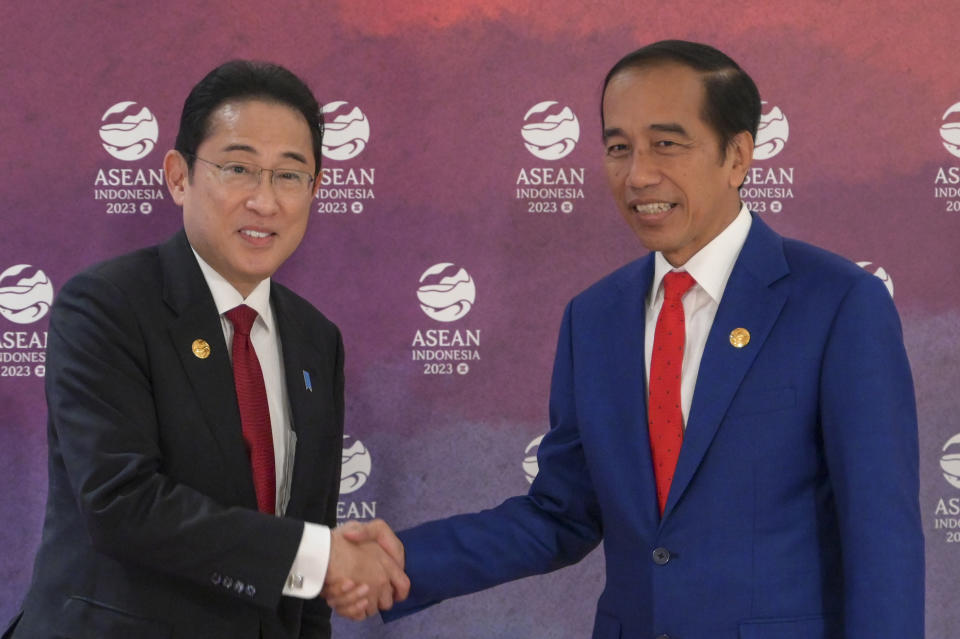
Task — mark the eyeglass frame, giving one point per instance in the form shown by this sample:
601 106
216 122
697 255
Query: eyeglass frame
258 169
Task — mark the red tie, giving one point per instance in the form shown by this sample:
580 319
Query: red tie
254 411
663 412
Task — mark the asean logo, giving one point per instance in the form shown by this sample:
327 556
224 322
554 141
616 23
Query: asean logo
447 292
25 294
355 468
128 132
950 461
879 273
550 137
346 135
950 130
530 465
772 134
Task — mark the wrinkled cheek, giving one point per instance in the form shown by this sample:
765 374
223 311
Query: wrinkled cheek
301 228
616 174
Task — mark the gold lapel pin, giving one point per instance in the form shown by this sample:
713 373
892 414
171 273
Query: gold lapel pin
739 337
200 348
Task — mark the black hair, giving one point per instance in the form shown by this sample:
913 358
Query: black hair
245 80
731 100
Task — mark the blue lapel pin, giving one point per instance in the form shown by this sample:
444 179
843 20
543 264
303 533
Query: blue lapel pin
306 381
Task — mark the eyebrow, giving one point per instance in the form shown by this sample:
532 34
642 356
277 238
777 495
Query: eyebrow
612 132
249 149
669 127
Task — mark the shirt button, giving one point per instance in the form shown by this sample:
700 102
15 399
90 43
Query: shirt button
660 557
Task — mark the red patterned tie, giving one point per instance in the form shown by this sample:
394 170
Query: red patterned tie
254 411
664 415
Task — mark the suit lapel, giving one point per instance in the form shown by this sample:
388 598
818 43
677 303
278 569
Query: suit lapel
751 302
299 360
185 291
625 340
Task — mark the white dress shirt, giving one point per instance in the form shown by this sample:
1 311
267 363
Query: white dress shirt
313 555
710 267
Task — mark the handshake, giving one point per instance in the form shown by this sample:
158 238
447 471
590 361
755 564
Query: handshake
365 572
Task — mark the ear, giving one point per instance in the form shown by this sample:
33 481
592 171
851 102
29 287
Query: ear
177 175
740 156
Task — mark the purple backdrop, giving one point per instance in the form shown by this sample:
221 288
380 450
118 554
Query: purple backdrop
469 135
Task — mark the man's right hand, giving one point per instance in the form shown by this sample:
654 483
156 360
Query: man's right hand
365 572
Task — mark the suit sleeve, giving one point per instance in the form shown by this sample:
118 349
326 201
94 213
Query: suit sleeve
869 426
556 524
104 430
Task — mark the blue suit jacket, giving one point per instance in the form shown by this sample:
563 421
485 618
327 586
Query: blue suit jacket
794 511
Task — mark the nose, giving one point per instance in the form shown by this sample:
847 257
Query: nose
643 170
263 199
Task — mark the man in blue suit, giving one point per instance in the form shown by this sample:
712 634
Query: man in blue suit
790 508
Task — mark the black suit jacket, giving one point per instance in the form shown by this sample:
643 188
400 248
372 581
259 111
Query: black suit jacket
151 525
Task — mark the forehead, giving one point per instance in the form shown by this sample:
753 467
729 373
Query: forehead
666 92
258 119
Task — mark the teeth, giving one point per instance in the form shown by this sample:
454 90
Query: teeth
254 233
650 209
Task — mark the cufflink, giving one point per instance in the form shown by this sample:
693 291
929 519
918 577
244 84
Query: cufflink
295 581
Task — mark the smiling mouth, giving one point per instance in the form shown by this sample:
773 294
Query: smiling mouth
255 234
653 208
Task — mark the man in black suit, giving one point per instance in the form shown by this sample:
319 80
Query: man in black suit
192 487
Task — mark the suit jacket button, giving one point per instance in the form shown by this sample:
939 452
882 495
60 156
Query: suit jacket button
215 578
660 557
663 636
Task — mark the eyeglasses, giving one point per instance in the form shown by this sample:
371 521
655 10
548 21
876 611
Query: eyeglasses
246 176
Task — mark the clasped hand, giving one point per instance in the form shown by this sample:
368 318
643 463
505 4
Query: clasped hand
365 572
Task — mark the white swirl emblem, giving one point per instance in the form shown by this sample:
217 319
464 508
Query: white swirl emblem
346 135
355 468
772 134
950 462
551 137
950 131
128 133
25 294
531 468
880 273
447 292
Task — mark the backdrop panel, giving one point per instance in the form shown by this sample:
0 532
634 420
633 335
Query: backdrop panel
433 169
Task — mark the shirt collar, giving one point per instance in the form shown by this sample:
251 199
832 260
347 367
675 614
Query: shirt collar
710 266
226 297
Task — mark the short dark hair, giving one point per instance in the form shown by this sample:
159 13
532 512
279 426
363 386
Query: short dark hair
731 100
240 80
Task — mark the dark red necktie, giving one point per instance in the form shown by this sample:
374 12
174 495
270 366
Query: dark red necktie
665 417
254 411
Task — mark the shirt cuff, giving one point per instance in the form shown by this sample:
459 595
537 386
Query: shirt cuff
309 567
